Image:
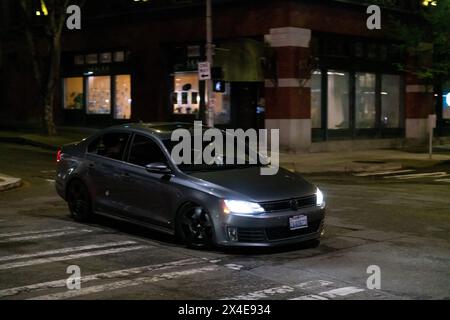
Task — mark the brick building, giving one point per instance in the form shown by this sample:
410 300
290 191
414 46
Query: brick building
310 68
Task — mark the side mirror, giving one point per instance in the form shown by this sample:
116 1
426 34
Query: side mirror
158 167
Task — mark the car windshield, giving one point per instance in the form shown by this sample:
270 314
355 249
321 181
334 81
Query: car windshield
221 159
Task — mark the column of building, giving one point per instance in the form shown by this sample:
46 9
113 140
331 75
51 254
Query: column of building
288 95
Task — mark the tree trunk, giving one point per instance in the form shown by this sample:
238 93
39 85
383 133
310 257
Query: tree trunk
51 85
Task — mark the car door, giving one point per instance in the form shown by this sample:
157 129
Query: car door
105 156
146 194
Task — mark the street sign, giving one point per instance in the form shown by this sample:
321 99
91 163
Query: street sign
204 71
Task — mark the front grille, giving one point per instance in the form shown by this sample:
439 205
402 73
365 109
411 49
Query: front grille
257 235
285 205
251 235
280 233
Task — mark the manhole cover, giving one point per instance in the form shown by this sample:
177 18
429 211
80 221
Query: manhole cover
370 162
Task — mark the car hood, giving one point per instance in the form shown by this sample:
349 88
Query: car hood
251 185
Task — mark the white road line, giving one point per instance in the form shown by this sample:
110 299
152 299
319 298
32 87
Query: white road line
383 173
310 297
326 295
44 236
341 292
99 276
442 180
262 294
33 262
236 267
419 176
24 233
125 284
314 284
65 250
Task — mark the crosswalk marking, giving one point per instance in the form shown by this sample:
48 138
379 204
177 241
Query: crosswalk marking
126 284
382 173
341 292
314 284
44 236
33 262
330 294
310 297
262 294
266 293
24 233
65 250
100 276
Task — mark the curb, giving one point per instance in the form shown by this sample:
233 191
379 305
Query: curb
343 168
27 142
9 183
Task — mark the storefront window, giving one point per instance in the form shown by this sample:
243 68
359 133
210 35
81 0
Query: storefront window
316 99
73 93
390 101
365 100
99 95
338 100
186 93
122 108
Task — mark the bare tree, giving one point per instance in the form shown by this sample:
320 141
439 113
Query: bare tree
43 36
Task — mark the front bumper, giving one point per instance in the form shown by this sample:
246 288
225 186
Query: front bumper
270 229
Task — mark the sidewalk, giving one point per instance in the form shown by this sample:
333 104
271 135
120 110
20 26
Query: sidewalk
65 136
341 162
8 183
359 161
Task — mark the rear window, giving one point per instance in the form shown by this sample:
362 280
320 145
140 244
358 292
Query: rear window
111 145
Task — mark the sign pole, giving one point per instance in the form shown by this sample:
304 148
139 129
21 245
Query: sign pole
431 126
209 57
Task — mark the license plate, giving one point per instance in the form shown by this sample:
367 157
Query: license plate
298 222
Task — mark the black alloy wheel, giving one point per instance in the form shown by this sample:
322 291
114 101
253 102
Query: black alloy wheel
79 202
195 228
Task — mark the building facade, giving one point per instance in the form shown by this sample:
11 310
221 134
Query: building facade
309 68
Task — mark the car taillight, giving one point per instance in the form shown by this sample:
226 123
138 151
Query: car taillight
58 156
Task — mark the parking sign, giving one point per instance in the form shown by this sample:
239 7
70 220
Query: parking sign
204 71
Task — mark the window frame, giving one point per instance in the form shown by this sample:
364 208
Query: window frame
85 79
100 137
155 140
325 134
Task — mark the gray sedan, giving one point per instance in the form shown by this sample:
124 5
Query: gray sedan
127 173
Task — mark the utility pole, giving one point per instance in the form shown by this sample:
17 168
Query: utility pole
209 58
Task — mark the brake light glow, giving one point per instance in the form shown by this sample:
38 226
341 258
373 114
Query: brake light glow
58 156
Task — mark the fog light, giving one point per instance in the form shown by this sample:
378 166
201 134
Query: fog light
233 233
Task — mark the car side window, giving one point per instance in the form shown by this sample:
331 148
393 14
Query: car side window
145 151
111 145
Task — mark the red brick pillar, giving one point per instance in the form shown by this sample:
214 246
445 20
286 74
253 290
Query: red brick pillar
288 97
419 104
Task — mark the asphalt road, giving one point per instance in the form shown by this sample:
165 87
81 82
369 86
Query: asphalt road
401 225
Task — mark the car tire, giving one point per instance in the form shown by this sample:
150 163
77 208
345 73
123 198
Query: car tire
194 227
79 202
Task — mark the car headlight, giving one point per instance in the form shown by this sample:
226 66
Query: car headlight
242 207
320 201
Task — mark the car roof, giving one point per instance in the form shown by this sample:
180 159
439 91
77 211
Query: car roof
162 130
